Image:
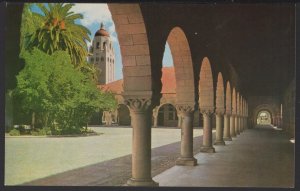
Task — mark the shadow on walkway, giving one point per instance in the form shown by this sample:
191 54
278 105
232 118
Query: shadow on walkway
117 171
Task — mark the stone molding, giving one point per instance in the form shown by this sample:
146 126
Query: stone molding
183 109
207 111
220 111
138 105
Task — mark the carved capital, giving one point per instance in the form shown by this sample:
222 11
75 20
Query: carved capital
184 109
206 112
220 111
139 104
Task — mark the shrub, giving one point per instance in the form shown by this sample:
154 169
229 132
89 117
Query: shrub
45 131
14 132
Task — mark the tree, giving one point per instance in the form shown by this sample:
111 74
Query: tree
30 23
56 92
59 31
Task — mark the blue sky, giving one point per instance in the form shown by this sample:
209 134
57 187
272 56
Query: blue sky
96 13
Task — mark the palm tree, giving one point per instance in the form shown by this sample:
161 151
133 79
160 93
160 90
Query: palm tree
59 31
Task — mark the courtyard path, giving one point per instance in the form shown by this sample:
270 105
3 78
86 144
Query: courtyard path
28 159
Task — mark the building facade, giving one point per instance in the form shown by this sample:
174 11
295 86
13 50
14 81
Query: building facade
102 55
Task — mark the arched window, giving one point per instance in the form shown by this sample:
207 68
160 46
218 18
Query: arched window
97 59
102 59
98 45
104 45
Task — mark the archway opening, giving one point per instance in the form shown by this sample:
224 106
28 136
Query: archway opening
123 115
167 116
263 118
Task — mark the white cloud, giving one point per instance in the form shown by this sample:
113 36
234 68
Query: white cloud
111 28
113 38
93 13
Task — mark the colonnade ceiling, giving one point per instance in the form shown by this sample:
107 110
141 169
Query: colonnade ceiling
256 39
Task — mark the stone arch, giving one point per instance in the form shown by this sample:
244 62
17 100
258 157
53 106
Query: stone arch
228 98
233 102
167 115
220 105
182 60
133 40
123 115
206 89
271 109
269 122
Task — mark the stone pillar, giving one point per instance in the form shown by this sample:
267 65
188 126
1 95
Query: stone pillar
232 126
155 115
207 133
179 120
219 129
141 112
241 124
186 153
227 136
237 127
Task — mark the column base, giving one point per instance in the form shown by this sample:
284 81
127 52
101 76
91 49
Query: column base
227 139
181 161
141 182
205 149
233 135
219 143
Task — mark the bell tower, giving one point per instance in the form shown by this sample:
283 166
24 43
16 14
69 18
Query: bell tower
102 55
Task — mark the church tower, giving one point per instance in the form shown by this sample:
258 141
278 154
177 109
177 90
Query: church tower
102 55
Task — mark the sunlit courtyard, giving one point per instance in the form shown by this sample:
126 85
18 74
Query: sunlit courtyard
30 158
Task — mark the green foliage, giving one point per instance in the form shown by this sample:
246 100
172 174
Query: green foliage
59 31
41 132
61 96
14 132
30 23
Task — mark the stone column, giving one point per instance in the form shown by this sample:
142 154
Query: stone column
227 136
179 120
155 115
242 124
219 129
237 126
141 112
207 133
186 153
232 126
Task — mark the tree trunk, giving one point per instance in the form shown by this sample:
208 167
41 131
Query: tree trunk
33 120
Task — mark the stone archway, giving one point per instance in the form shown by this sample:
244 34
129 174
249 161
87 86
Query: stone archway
137 86
135 53
184 75
264 107
220 109
228 111
185 92
234 113
123 115
264 117
206 103
167 115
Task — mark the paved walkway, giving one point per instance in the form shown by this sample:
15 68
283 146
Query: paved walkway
31 158
117 171
260 157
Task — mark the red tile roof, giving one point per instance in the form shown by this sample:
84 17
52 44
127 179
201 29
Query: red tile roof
168 81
